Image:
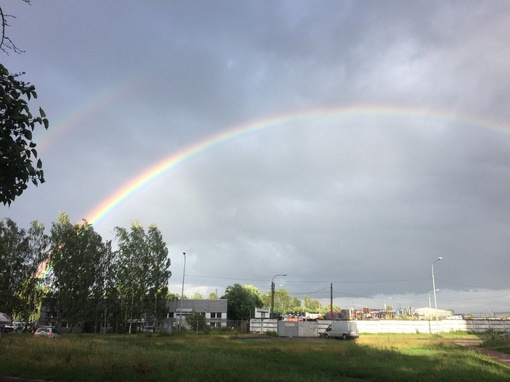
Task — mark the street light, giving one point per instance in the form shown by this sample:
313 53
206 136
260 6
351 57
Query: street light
434 284
272 293
182 290
430 306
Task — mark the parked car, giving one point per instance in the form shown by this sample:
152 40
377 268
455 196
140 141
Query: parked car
8 328
341 329
47 331
18 326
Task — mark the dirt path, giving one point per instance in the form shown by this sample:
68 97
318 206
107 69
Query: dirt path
495 355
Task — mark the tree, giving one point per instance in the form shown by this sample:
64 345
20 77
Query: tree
312 305
18 155
213 296
196 321
143 271
242 301
77 258
6 43
283 301
21 252
296 304
17 150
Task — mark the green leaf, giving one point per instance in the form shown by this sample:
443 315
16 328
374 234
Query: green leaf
43 114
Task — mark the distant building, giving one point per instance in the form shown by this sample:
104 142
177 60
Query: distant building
214 311
262 313
431 313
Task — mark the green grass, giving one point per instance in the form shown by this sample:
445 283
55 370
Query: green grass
388 357
495 341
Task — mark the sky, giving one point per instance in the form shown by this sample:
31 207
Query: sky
343 143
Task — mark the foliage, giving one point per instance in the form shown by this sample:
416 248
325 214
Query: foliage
283 301
196 321
76 255
21 252
18 157
312 305
19 163
89 282
497 341
143 271
242 301
213 296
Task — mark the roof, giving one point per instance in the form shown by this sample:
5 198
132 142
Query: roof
431 312
219 306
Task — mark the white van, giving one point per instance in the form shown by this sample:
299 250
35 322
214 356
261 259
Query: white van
342 329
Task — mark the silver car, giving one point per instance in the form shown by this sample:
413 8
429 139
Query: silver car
47 331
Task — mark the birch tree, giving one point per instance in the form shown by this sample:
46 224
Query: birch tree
143 271
21 251
77 253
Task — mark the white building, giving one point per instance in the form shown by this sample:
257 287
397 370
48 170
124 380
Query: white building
262 313
214 311
431 313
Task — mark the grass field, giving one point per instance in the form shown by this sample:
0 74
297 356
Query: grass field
390 357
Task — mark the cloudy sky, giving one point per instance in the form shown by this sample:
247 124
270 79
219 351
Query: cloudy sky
344 142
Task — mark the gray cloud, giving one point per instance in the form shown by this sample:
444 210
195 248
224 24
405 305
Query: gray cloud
364 200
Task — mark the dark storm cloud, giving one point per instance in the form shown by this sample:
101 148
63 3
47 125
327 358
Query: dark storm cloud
366 201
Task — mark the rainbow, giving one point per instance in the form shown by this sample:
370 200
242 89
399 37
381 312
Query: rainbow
101 100
153 172
44 270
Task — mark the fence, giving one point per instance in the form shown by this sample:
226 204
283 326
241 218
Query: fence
313 328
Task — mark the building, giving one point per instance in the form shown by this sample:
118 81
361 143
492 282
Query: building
214 311
431 313
261 313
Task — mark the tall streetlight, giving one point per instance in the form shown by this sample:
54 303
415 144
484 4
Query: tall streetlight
430 306
272 293
434 284
182 290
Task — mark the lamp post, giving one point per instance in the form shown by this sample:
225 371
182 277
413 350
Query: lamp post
434 285
182 290
386 306
272 294
430 306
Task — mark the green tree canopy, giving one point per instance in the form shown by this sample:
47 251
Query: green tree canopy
77 253
242 301
283 301
18 156
143 270
312 305
21 252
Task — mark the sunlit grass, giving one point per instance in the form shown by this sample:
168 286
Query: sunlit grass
384 357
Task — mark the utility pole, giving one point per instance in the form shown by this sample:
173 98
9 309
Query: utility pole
182 290
331 300
271 314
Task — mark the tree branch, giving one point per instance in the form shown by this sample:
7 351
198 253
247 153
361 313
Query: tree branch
6 43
